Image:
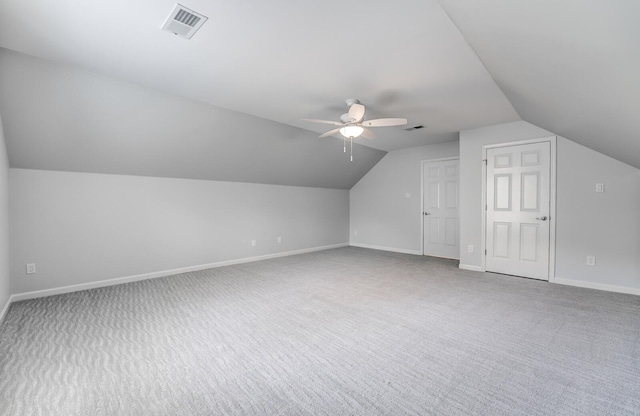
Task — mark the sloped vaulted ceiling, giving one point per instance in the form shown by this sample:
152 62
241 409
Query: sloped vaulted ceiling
60 118
571 66
96 86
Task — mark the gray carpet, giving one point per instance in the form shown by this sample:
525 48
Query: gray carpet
340 332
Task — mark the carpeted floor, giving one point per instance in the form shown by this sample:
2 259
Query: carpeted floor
340 332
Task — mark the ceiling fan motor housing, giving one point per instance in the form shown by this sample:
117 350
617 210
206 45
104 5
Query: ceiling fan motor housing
346 118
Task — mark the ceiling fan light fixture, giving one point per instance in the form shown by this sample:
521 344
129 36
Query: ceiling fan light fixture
351 131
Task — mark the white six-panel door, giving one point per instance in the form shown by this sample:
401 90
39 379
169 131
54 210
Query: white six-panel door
440 209
517 220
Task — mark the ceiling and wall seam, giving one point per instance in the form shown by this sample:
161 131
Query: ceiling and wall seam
475 52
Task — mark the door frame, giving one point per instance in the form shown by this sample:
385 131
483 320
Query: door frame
552 200
422 165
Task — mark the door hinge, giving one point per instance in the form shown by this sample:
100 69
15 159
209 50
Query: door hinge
485 252
485 161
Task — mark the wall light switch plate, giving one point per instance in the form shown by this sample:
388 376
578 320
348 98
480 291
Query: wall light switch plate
591 260
407 194
470 248
599 187
31 268
279 239
253 243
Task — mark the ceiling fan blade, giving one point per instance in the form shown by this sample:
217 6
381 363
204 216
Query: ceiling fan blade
313 120
368 134
356 112
331 132
385 122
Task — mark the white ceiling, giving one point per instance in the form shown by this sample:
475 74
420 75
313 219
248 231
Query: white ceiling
571 67
452 65
279 60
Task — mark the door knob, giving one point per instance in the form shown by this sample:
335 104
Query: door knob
427 213
543 218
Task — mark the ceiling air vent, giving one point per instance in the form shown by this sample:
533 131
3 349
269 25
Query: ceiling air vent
414 128
183 22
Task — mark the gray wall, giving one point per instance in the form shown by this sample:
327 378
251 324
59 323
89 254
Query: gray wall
5 283
80 227
381 213
605 225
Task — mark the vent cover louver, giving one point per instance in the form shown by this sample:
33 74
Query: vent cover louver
183 22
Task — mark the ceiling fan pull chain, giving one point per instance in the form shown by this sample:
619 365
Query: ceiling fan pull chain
351 148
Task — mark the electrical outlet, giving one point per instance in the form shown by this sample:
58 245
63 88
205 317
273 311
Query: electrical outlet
31 268
279 239
470 248
253 243
407 194
591 260
355 232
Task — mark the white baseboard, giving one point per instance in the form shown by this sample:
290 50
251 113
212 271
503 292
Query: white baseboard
598 286
393 249
470 267
153 275
6 307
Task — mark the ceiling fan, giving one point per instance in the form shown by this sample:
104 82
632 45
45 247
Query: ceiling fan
352 124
